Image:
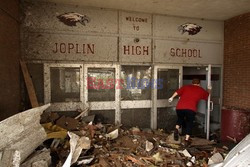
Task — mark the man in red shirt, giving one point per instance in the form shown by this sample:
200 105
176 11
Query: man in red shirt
186 108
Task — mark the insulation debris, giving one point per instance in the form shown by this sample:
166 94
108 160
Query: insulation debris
91 143
83 141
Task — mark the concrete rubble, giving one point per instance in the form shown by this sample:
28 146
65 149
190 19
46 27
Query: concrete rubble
81 141
39 158
238 156
10 158
23 132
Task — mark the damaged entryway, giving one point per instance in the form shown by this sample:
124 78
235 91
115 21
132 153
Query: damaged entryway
133 95
212 107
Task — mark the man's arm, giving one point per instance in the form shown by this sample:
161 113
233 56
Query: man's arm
172 97
207 93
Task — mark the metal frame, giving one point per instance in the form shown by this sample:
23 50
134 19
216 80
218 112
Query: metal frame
61 106
137 104
161 103
103 104
208 74
208 101
118 104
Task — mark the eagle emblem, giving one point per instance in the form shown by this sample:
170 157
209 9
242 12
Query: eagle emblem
190 28
71 18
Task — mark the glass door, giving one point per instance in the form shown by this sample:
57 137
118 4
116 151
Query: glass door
63 86
208 112
216 95
213 113
136 95
200 72
168 80
102 91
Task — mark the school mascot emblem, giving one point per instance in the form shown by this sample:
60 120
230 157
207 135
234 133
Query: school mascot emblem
190 28
71 18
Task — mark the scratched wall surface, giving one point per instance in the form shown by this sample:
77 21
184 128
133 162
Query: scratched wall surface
55 33
46 37
44 16
42 46
133 51
52 32
135 23
167 26
188 52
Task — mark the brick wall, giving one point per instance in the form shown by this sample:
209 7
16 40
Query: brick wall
9 58
236 87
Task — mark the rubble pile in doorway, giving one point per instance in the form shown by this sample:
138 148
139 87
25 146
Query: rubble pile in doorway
85 141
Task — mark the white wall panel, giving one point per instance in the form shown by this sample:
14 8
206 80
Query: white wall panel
43 16
132 51
42 32
135 23
166 26
187 52
38 46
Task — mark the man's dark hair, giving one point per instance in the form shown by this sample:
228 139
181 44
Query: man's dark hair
196 81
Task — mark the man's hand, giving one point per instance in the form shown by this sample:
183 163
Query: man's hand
170 99
209 87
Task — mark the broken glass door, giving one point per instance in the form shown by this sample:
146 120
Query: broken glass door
168 79
101 93
63 86
101 84
136 86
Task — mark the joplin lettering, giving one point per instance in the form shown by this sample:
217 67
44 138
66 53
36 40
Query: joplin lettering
74 48
177 52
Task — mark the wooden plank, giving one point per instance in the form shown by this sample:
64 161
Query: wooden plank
29 85
201 142
134 160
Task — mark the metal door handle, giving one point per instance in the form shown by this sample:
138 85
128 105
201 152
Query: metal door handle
211 105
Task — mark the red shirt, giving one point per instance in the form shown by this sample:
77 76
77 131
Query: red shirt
190 95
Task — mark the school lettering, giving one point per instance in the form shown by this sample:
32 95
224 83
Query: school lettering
183 52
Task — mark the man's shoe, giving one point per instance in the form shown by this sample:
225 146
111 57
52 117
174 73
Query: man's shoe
186 143
176 135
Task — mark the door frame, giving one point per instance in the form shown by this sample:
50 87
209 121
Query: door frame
102 105
118 104
61 106
208 82
163 102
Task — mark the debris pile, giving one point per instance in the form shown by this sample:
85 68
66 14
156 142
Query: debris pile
86 141
83 141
